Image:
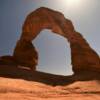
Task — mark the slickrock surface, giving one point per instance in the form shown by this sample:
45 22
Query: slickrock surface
17 89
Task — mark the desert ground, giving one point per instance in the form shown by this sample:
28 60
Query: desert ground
18 89
25 85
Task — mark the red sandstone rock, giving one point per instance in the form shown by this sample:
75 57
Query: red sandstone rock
25 54
83 56
7 60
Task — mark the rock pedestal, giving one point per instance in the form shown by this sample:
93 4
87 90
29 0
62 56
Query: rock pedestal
25 54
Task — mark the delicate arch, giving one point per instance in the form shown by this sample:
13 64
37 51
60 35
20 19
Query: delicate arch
82 56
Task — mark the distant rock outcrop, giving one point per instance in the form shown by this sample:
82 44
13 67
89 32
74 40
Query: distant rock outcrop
82 55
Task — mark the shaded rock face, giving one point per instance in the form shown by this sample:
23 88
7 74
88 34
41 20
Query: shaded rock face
25 54
7 60
82 55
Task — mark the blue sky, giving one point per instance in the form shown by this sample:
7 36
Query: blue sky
54 51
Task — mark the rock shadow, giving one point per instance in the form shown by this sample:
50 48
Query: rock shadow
15 72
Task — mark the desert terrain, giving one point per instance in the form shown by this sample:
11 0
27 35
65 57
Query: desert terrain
22 84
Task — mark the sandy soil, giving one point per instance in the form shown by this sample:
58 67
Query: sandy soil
19 89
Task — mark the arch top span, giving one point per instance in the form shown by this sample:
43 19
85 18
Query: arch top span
82 55
44 18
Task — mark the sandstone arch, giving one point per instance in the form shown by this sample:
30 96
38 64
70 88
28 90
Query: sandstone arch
82 55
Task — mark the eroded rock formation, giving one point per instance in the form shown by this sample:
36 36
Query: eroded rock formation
25 54
82 55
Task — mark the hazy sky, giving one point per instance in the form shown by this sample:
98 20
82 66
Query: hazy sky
54 51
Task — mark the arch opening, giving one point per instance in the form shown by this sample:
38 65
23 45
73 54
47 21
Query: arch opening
54 53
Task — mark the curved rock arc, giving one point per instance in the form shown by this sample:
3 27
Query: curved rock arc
82 55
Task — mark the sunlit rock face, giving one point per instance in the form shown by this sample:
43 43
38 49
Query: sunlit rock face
82 55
